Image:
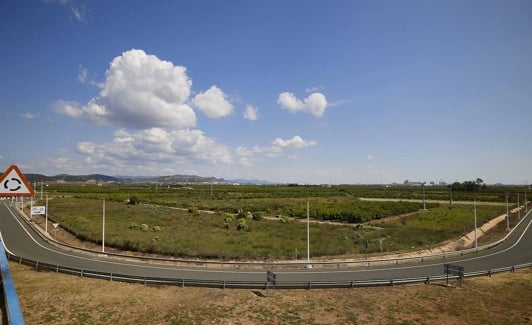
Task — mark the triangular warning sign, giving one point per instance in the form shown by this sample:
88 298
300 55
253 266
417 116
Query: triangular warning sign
13 183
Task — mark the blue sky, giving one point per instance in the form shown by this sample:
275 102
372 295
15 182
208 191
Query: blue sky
286 91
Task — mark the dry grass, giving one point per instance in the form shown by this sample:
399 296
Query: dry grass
50 298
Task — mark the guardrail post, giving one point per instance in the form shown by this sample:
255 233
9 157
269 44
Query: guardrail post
391 282
111 277
309 285
512 270
81 273
183 283
428 280
224 285
489 273
352 284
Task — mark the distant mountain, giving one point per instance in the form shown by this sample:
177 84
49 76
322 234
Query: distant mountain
170 179
251 181
70 178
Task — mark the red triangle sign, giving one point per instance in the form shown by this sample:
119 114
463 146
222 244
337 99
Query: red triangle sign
13 183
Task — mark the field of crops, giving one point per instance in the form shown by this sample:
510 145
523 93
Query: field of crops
263 222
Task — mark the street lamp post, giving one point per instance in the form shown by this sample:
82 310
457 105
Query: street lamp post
46 216
507 214
475 212
308 234
423 188
518 207
103 227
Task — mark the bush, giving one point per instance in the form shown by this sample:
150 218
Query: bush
241 224
258 216
133 200
193 210
144 227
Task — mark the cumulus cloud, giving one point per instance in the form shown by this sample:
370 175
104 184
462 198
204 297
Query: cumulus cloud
68 108
295 142
213 103
251 113
314 104
156 145
140 91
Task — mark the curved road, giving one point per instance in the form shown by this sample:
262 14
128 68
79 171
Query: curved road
22 240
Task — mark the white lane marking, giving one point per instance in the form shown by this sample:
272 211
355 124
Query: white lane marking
414 266
125 264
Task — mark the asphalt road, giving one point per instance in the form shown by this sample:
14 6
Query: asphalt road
22 240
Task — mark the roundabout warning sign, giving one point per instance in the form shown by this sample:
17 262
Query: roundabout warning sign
13 183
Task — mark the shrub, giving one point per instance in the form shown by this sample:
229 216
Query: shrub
241 224
156 229
258 216
193 210
284 219
144 227
133 200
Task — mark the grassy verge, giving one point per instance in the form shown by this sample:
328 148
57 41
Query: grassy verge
51 298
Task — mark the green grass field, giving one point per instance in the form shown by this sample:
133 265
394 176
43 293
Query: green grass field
166 223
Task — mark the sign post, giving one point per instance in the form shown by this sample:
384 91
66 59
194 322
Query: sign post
453 270
13 183
270 278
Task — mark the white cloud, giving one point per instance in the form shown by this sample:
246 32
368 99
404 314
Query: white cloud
30 116
314 89
295 142
82 74
140 91
251 113
156 145
78 11
213 103
290 102
79 14
68 108
315 103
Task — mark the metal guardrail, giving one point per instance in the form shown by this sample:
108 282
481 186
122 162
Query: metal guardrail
13 313
263 284
41 266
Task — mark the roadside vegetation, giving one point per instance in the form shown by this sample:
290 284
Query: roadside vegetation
54 298
268 222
